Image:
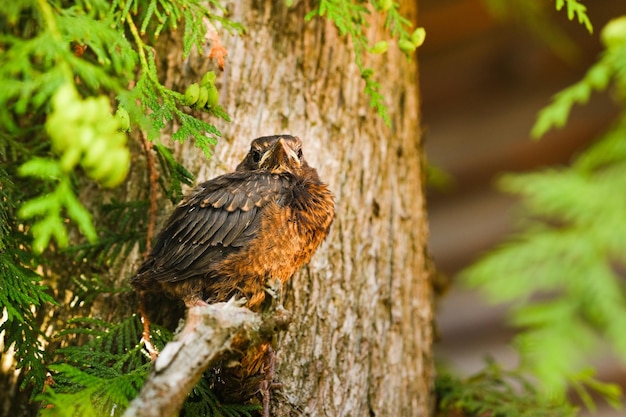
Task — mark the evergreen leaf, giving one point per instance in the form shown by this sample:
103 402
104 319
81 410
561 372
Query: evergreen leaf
557 112
495 392
175 173
20 291
578 10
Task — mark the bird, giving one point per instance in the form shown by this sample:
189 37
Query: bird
233 233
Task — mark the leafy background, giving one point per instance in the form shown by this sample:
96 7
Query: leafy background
556 279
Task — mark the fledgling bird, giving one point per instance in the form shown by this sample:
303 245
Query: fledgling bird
234 232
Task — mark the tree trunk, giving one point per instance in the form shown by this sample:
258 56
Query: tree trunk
360 341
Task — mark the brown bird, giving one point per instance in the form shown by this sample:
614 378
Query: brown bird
234 232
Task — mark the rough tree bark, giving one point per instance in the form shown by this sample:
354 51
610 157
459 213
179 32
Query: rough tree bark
360 340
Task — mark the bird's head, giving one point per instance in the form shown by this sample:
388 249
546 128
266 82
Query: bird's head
276 154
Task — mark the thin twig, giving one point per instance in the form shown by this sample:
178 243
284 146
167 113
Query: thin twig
153 176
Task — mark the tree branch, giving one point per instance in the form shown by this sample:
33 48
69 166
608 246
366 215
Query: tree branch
209 332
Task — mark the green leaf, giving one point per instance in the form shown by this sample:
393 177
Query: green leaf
495 391
559 270
79 214
47 228
39 206
41 168
576 9
555 115
585 380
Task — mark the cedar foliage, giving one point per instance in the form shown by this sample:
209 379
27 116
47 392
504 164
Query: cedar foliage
535 17
495 392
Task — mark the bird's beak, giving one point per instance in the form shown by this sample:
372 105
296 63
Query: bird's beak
280 157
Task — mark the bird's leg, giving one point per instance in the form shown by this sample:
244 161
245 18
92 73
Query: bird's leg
268 384
274 314
275 318
145 335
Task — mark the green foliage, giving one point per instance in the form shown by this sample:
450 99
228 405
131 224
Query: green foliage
48 208
202 402
20 291
494 392
37 58
609 67
563 271
568 253
557 113
158 101
101 377
538 18
350 18
154 16
123 228
62 63
175 173
162 106
54 53
579 10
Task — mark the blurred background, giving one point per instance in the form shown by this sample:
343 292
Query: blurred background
483 81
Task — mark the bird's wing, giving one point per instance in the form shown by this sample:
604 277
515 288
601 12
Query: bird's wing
218 217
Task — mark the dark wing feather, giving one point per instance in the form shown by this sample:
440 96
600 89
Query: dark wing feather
238 229
210 235
194 228
222 198
217 218
227 226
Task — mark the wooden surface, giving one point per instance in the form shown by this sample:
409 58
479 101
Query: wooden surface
482 84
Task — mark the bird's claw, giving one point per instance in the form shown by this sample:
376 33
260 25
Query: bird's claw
237 301
273 287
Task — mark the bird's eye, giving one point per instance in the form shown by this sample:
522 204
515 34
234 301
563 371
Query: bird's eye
256 156
299 153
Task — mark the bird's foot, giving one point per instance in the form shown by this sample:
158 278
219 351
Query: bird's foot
145 335
237 301
273 288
